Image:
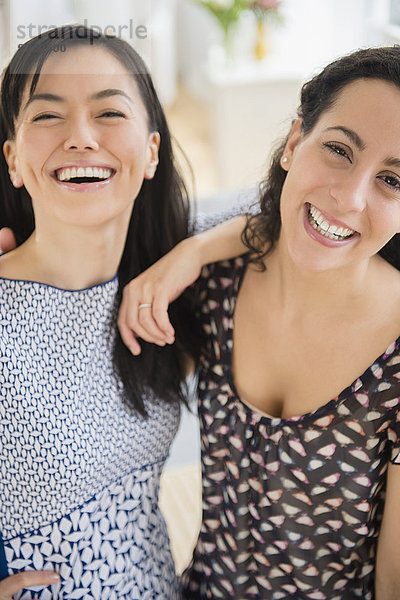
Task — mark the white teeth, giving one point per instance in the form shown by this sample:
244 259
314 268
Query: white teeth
324 225
73 172
333 232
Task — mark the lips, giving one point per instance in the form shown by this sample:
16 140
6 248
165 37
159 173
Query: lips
326 229
83 178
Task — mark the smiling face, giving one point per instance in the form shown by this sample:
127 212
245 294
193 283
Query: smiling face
82 146
340 202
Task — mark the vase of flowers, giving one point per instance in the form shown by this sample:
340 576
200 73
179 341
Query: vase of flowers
264 10
227 13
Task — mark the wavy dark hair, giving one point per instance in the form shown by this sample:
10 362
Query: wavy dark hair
159 217
317 96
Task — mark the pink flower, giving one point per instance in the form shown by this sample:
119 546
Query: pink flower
267 4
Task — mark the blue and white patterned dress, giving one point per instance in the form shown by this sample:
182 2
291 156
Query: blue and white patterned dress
79 471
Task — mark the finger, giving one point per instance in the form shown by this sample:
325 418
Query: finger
161 317
138 330
13 584
130 340
127 335
7 240
129 323
142 333
149 326
130 329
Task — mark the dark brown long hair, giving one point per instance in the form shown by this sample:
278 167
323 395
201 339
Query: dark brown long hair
317 96
159 218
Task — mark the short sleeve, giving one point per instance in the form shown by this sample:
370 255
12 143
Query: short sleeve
216 292
235 205
201 292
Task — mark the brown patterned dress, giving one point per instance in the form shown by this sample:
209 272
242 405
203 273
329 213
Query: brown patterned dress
291 507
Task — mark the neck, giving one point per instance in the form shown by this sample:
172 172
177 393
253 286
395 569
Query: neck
79 259
300 293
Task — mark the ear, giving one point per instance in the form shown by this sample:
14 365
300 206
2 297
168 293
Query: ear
295 137
12 161
152 161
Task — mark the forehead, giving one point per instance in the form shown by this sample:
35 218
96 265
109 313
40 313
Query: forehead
367 102
81 71
83 60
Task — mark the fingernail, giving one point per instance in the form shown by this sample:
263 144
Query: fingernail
134 351
54 577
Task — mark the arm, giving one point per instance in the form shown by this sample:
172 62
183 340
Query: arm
164 281
387 570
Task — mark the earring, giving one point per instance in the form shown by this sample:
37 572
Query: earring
285 159
16 180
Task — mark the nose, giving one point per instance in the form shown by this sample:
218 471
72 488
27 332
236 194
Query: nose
81 136
351 193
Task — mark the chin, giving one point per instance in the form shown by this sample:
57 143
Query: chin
312 261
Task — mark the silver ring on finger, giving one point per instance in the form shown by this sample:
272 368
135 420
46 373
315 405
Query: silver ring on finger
145 305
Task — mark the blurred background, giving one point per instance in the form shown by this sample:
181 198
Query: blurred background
228 73
225 108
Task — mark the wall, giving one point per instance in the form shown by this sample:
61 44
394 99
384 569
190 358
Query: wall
251 103
314 32
26 18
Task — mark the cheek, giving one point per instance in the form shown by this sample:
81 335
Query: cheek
34 148
301 180
295 192
385 218
392 220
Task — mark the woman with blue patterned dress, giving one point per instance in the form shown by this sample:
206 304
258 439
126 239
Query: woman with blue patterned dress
299 368
299 375
85 427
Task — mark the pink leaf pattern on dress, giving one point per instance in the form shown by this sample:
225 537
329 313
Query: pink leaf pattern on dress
301 497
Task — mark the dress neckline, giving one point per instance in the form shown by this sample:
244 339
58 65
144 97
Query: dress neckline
40 284
331 405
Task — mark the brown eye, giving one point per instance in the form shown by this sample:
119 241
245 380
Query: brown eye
391 181
338 150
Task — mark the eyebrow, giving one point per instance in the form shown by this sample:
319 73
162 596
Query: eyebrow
390 161
107 93
352 135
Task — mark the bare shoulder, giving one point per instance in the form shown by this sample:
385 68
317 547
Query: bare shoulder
6 263
14 264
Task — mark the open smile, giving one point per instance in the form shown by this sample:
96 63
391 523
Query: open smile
84 178
324 228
